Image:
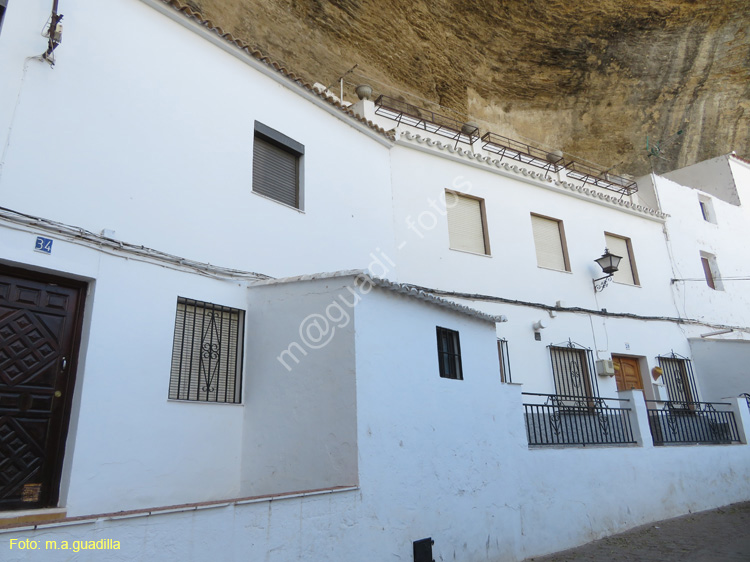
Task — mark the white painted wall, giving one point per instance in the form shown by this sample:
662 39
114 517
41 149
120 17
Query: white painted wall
440 458
689 235
128 445
150 134
725 365
300 422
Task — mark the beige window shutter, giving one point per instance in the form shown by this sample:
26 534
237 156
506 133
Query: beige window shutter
619 247
465 225
548 243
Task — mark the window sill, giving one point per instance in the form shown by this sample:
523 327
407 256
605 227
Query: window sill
204 402
627 284
553 269
267 198
470 252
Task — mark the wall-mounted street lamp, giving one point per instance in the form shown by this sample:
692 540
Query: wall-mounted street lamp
609 263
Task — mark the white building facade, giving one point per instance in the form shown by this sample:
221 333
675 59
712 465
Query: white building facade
174 356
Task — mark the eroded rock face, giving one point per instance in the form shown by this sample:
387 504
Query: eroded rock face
593 78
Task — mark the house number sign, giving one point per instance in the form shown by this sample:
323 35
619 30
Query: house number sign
43 245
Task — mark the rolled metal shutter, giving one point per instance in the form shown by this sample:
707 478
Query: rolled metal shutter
275 172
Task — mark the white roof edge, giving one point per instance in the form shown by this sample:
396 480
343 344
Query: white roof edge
401 288
517 171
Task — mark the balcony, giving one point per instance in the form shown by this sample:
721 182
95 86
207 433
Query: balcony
556 419
700 423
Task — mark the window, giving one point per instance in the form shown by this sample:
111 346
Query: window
711 271
206 353
678 376
502 352
449 354
573 371
707 209
3 6
549 240
621 246
277 166
467 223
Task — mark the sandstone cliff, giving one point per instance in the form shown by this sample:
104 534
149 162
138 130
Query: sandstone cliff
593 78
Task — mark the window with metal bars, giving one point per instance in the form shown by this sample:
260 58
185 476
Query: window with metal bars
678 376
207 353
504 356
277 166
574 373
449 354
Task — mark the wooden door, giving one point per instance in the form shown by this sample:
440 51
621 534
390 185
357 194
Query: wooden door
627 372
40 318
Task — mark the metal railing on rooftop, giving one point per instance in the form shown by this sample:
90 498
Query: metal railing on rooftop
691 422
573 420
425 119
468 133
600 178
508 148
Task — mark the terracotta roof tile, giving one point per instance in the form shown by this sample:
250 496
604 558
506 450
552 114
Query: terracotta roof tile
253 51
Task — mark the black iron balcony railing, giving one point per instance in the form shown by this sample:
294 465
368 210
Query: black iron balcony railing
427 120
576 420
691 422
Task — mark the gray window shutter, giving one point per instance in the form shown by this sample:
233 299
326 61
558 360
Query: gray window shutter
275 172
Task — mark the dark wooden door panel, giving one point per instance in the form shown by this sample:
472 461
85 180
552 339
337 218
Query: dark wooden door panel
39 327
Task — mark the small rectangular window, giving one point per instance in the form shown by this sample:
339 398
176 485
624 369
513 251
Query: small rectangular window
621 246
711 271
207 353
707 209
3 6
467 223
277 166
504 356
549 241
449 354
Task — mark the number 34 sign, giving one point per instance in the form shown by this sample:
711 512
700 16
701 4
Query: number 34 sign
43 245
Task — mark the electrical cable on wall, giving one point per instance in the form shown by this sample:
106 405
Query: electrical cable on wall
572 309
76 235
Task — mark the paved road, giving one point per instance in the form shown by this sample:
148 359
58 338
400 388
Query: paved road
718 535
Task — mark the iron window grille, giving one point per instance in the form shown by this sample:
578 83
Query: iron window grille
574 374
277 166
504 356
207 353
678 375
449 354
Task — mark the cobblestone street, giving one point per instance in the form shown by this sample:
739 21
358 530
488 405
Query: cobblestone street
718 535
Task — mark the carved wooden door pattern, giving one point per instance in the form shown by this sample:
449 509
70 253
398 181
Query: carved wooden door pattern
39 334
